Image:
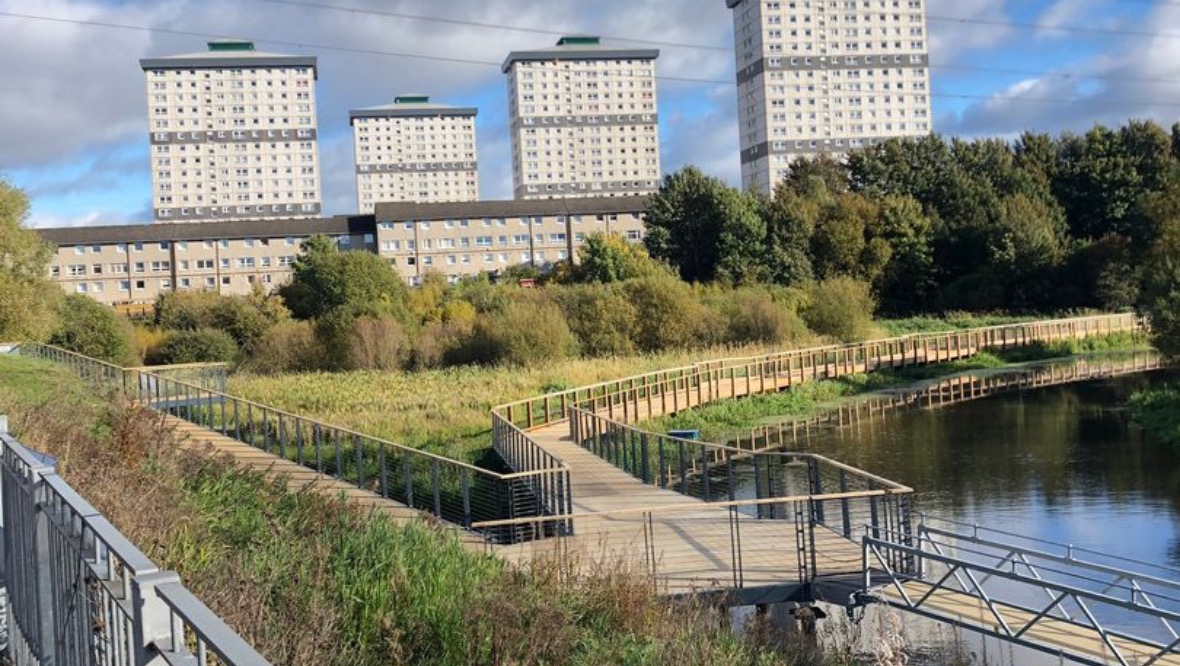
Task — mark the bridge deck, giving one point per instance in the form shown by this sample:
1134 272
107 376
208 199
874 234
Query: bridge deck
297 476
691 542
970 611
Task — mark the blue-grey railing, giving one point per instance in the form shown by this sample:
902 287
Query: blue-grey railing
457 492
80 593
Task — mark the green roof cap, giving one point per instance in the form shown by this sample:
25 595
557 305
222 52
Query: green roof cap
576 40
231 45
412 99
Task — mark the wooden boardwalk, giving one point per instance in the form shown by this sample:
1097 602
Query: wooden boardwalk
299 478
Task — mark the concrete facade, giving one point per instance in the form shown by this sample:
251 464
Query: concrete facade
818 77
460 240
136 263
583 120
233 135
413 150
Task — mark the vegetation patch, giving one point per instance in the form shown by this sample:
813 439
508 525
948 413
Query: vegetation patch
1158 412
310 579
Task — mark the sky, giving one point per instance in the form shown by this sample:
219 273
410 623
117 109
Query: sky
74 129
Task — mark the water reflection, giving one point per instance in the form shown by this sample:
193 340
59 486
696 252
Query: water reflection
1059 462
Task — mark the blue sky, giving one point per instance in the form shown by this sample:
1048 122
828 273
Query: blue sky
74 126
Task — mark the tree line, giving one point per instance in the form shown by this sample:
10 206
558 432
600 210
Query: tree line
1039 224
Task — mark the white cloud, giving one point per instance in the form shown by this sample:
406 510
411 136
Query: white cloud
92 218
949 40
1136 82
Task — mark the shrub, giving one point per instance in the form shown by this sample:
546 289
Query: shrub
754 317
525 332
439 343
245 318
600 316
669 315
289 346
841 308
91 328
205 345
377 343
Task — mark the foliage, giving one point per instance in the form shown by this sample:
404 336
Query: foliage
27 307
704 229
601 317
377 343
525 332
289 346
610 258
205 345
670 315
308 578
245 318
93 329
1158 412
1162 282
754 317
325 280
840 307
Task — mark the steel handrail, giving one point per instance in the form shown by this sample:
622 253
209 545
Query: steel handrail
698 366
680 508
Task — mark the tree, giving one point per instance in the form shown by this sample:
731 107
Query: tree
1162 289
92 329
704 229
840 307
206 345
607 258
27 308
326 279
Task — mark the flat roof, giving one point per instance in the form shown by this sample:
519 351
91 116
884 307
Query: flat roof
198 231
401 211
228 53
412 106
578 47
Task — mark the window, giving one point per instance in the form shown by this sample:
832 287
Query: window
182 246
79 250
77 269
124 285
225 280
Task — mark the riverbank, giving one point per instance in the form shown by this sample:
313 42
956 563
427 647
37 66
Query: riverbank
1157 411
719 420
308 579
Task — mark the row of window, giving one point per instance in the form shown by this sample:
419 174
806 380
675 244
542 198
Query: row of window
166 283
486 222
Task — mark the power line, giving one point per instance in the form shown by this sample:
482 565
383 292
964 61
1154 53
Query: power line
479 24
705 47
486 63
1052 27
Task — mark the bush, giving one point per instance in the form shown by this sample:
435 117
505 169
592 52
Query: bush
755 317
841 308
525 332
1158 412
289 346
93 329
600 316
245 318
206 345
378 343
669 315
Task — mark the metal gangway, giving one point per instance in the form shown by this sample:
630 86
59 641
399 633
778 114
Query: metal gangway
1076 604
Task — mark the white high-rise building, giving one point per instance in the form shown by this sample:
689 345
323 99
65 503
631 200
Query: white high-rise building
414 151
826 76
233 134
584 120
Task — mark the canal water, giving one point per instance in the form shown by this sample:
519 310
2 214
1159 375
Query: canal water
1063 463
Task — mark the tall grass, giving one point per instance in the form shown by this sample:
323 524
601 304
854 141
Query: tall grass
310 579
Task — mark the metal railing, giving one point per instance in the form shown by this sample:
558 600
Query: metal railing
680 388
80 593
941 393
454 491
735 546
1091 607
